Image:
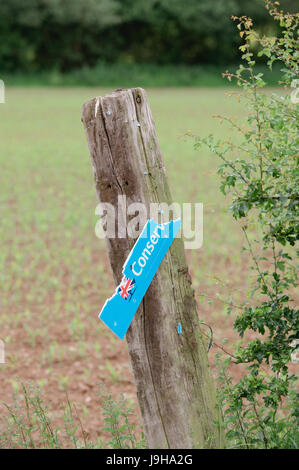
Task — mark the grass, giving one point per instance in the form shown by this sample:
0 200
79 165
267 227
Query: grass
54 272
29 424
131 75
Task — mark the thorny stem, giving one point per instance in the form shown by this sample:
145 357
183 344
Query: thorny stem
230 120
275 268
229 164
260 425
223 301
238 415
255 260
259 146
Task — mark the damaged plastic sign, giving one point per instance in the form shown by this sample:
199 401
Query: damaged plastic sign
138 272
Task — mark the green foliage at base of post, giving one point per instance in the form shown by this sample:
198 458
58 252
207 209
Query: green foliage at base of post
64 35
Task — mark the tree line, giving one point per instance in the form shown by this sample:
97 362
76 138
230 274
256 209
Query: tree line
37 35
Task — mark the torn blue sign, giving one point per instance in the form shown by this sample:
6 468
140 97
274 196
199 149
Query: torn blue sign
138 272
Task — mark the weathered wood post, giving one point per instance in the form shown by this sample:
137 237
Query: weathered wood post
175 390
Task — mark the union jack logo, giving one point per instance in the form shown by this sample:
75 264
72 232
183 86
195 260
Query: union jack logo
125 288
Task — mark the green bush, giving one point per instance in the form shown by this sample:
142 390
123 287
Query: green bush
63 35
260 174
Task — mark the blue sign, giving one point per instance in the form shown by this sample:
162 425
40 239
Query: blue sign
138 272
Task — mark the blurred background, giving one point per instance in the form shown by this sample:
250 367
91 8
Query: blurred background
54 272
97 42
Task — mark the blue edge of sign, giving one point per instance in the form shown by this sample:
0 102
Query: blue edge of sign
138 272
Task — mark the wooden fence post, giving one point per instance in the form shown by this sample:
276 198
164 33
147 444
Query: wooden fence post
175 390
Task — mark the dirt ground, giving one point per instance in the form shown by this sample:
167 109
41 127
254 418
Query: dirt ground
26 361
